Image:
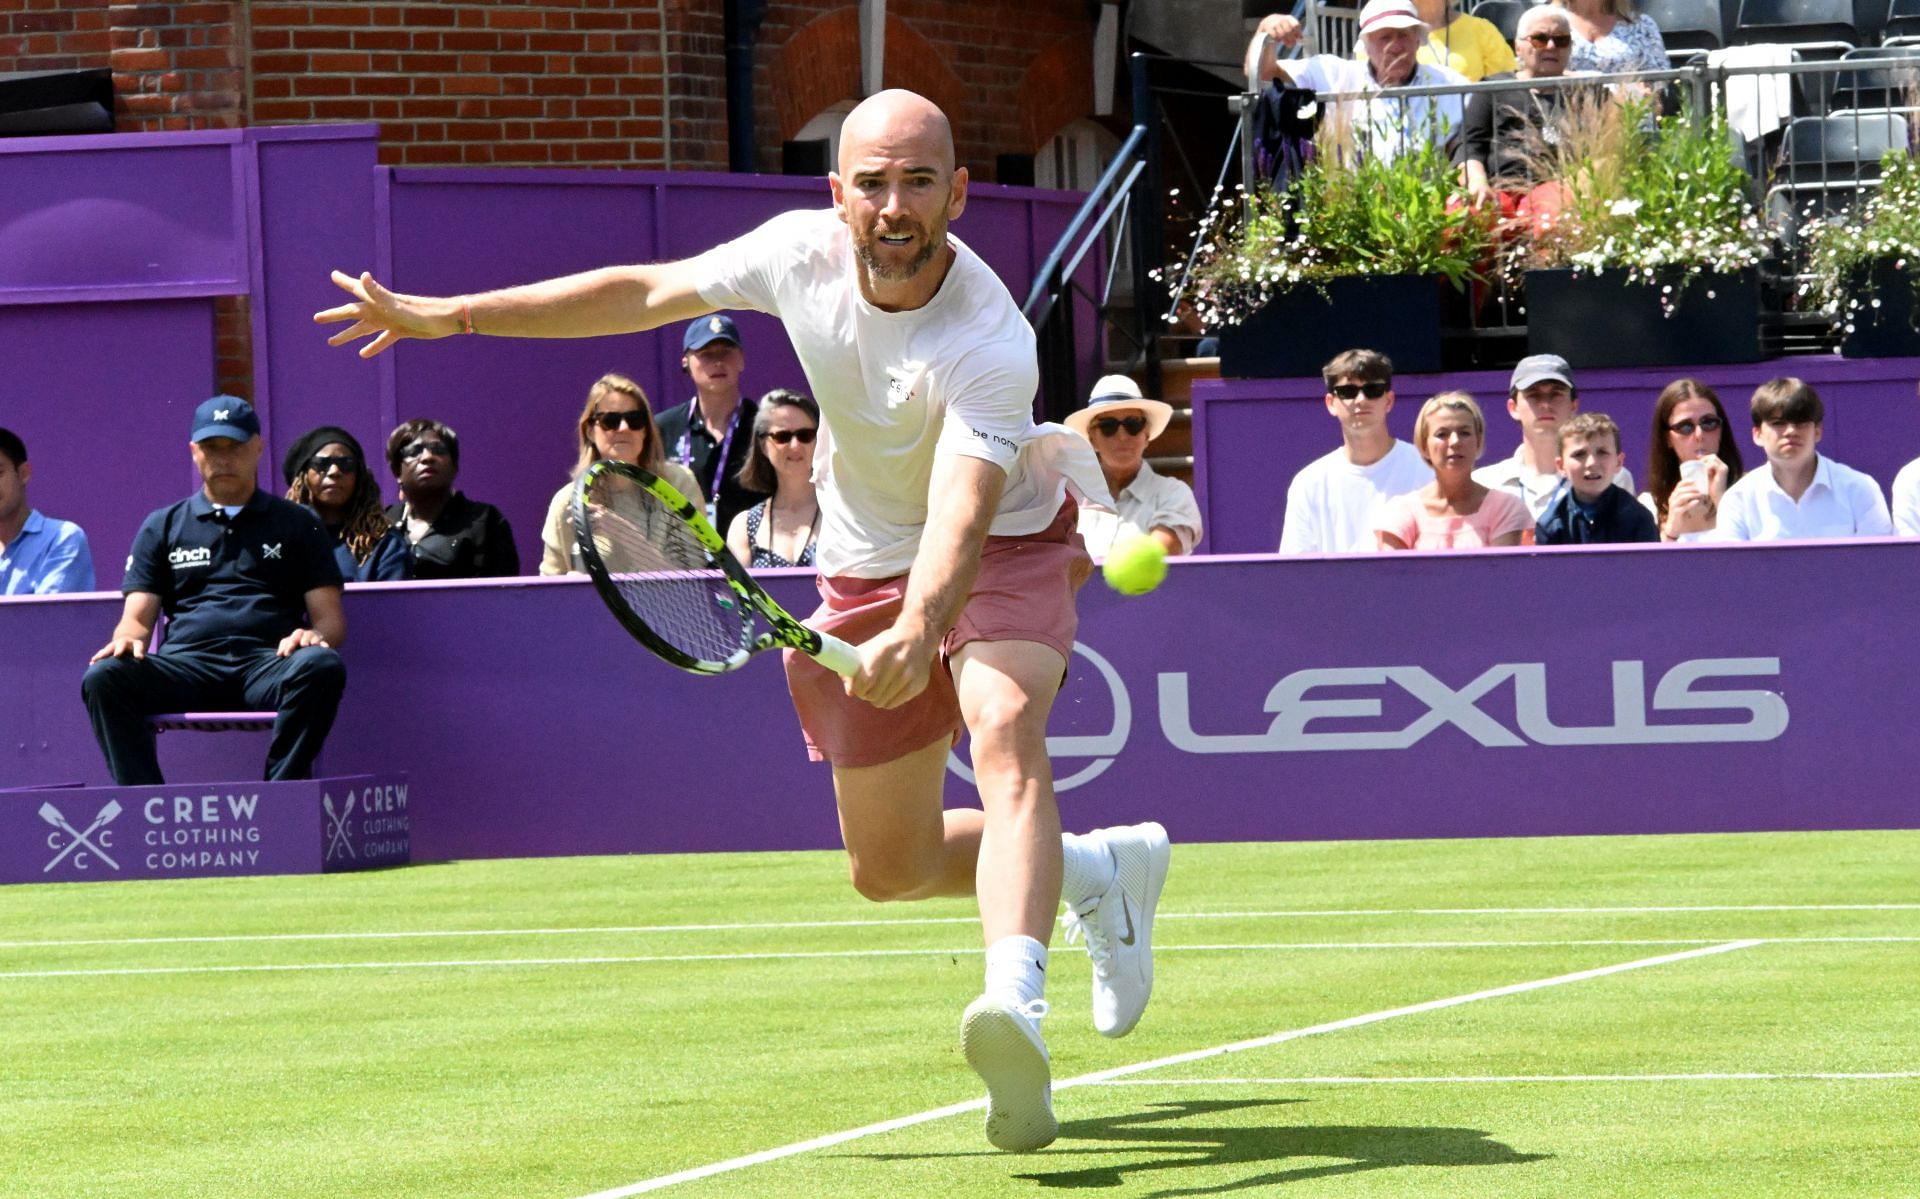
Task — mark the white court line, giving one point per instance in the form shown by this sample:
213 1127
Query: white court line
1337 1080
779 925
790 955
1105 1076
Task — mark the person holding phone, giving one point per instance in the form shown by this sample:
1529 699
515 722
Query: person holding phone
1691 461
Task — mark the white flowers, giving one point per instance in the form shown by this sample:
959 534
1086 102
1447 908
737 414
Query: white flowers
1624 207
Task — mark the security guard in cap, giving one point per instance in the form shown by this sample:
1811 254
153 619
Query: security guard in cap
251 592
712 433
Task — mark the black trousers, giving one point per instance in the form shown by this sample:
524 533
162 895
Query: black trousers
304 687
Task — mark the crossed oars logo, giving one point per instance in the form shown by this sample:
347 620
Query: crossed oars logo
337 836
52 816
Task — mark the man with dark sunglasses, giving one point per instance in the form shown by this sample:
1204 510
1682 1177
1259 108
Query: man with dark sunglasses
711 433
1120 422
1332 501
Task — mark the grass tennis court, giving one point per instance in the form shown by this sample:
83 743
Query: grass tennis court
1671 1016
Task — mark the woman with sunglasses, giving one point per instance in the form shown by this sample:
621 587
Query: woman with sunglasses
1120 422
1689 425
452 536
327 471
617 423
780 530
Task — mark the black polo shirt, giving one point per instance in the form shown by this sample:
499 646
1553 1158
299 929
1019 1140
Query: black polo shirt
684 437
468 540
231 584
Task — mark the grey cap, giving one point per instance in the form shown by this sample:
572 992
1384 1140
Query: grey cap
1539 368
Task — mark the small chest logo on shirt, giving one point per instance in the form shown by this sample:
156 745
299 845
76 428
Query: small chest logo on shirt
183 558
271 551
902 380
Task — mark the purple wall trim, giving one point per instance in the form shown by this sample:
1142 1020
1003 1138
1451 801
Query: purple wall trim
1252 435
529 724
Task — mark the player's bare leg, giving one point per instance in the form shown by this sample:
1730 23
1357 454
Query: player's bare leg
900 844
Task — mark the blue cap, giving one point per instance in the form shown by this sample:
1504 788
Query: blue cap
708 329
225 416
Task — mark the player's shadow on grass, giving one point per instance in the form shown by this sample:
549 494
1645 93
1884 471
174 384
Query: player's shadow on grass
1183 1144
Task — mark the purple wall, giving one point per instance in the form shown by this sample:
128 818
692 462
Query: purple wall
529 724
1252 435
113 250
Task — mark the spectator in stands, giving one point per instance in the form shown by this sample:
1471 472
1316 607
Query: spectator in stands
1505 140
1906 500
1120 422
782 529
1541 397
452 536
327 471
711 434
616 423
1591 509
1392 34
1331 503
1801 493
1608 37
1473 46
38 556
251 592
1453 511
1689 426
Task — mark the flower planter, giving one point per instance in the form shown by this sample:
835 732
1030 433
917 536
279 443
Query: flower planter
1606 320
1299 330
1893 329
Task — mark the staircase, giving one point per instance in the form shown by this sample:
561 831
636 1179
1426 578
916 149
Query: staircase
1172 453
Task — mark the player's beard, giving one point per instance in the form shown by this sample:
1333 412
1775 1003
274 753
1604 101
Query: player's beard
864 247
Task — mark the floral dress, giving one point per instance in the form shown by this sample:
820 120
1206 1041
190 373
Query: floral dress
1629 46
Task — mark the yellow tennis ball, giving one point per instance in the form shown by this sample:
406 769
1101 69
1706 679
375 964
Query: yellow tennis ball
1136 564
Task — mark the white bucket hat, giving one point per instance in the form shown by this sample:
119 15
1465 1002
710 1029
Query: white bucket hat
1117 393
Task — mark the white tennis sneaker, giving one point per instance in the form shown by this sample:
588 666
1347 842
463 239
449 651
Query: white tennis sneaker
1119 928
1001 1039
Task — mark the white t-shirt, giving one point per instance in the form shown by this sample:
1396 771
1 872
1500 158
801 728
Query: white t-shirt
1331 502
954 376
1387 126
1840 502
1151 501
1906 500
1513 476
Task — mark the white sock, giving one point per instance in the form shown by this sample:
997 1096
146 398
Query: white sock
1017 966
1087 869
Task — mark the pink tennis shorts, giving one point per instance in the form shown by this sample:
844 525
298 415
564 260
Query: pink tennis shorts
1023 592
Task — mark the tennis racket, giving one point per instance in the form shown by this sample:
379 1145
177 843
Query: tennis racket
671 581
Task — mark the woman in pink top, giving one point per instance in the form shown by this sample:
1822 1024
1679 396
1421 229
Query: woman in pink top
1453 512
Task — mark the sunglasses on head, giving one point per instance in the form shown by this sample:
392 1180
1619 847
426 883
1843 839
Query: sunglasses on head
1685 428
1540 41
1110 426
613 420
320 464
789 436
1353 391
416 449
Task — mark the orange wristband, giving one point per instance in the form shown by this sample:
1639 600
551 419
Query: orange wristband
466 314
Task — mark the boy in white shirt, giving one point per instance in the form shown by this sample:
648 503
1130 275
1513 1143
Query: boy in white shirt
1331 502
1801 493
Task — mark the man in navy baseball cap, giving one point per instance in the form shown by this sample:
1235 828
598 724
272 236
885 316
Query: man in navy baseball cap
712 433
225 416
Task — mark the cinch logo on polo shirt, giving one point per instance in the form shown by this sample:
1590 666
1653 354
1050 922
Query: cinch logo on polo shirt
181 556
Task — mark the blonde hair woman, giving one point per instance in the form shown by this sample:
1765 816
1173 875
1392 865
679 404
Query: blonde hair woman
617 423
1452 512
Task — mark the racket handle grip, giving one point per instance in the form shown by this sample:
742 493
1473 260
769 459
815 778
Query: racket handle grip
836 655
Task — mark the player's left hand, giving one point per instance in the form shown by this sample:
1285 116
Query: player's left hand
894 667
299 639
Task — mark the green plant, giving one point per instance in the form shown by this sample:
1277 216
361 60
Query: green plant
1348 213
1844 247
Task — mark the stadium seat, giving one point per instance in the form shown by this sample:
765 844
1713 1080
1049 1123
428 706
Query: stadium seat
1902 26
1819 29
1687 24
1886 77
1841 146
1505 15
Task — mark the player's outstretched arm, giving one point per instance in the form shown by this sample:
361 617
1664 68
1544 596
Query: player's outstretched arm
615 299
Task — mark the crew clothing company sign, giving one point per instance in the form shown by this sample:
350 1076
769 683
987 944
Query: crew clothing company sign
98 834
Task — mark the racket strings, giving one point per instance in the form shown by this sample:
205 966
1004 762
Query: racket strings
664 573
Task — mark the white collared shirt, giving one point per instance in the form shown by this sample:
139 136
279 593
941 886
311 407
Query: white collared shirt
1840 502
1151 501
1513 476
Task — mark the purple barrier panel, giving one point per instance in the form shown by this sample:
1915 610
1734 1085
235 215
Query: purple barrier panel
103 395
1247 699
163 214
203 830
1252 435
